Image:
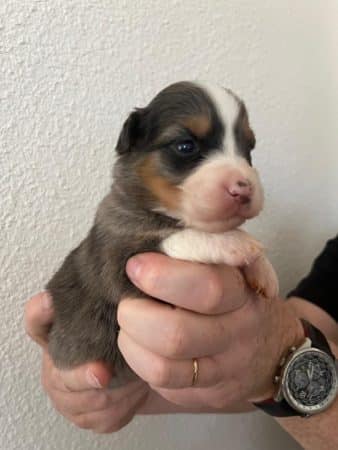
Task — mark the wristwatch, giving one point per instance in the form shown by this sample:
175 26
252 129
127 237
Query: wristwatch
307 380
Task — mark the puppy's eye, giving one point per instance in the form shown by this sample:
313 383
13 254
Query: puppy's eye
186 148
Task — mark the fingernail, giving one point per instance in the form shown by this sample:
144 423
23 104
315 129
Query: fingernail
93 380
134 267
47 302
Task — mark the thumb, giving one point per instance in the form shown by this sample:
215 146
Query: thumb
95 374
38 317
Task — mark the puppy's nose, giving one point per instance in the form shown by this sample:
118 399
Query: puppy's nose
241 190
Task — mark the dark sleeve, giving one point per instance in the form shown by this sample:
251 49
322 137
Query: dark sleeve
320 286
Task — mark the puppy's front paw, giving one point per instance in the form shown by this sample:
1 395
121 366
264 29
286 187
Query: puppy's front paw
240 249
262 278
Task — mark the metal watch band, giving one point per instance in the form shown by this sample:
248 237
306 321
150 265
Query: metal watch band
282 408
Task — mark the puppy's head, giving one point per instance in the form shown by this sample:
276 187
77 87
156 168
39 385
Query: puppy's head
188 155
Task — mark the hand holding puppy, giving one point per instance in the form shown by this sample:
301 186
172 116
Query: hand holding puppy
237 337
81 394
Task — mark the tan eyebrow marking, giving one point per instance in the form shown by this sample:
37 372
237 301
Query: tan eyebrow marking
199 125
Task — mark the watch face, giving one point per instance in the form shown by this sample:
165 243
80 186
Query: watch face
310 381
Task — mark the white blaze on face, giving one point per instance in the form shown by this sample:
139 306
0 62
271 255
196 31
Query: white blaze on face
205 202
227 107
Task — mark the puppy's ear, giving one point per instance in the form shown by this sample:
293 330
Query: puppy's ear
250 135
131 132
243 127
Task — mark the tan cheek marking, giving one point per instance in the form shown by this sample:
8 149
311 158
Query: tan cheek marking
198 125
166 193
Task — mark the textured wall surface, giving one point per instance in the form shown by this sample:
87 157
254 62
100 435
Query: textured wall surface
70 70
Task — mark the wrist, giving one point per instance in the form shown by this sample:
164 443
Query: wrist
286 332
293 333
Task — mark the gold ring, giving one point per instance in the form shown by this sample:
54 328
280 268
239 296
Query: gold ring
195 373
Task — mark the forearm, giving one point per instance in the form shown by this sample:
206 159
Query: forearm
318 432
315 433
315 315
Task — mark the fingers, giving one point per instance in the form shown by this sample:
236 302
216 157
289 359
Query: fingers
75 403
101 410
114 418
39 317
179 333
198 287
222 397
162 372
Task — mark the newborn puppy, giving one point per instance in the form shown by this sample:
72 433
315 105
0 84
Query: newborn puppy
183 183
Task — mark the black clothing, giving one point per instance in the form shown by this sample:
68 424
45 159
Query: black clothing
320 286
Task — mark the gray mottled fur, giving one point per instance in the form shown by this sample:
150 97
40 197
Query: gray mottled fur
92 280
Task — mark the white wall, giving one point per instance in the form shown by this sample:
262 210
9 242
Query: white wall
69 73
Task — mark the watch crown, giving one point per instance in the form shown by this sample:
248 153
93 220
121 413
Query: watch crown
276 379
293 349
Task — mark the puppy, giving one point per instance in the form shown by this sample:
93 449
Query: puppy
183 184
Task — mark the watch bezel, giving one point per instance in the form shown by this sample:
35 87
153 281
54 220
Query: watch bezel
288 396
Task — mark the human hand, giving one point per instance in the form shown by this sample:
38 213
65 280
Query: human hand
237 337
81 395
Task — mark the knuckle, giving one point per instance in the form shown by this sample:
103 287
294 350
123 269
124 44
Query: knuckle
104 430
214 373
113 422
121 422
160 374
214 292
57 406
150 278
44 381
176 337
55 401
27 309
239 278
45 378
218 401
100 401
230 394
82 421
110 427
29 317
115 425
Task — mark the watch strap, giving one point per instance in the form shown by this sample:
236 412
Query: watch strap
317 338
277 409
